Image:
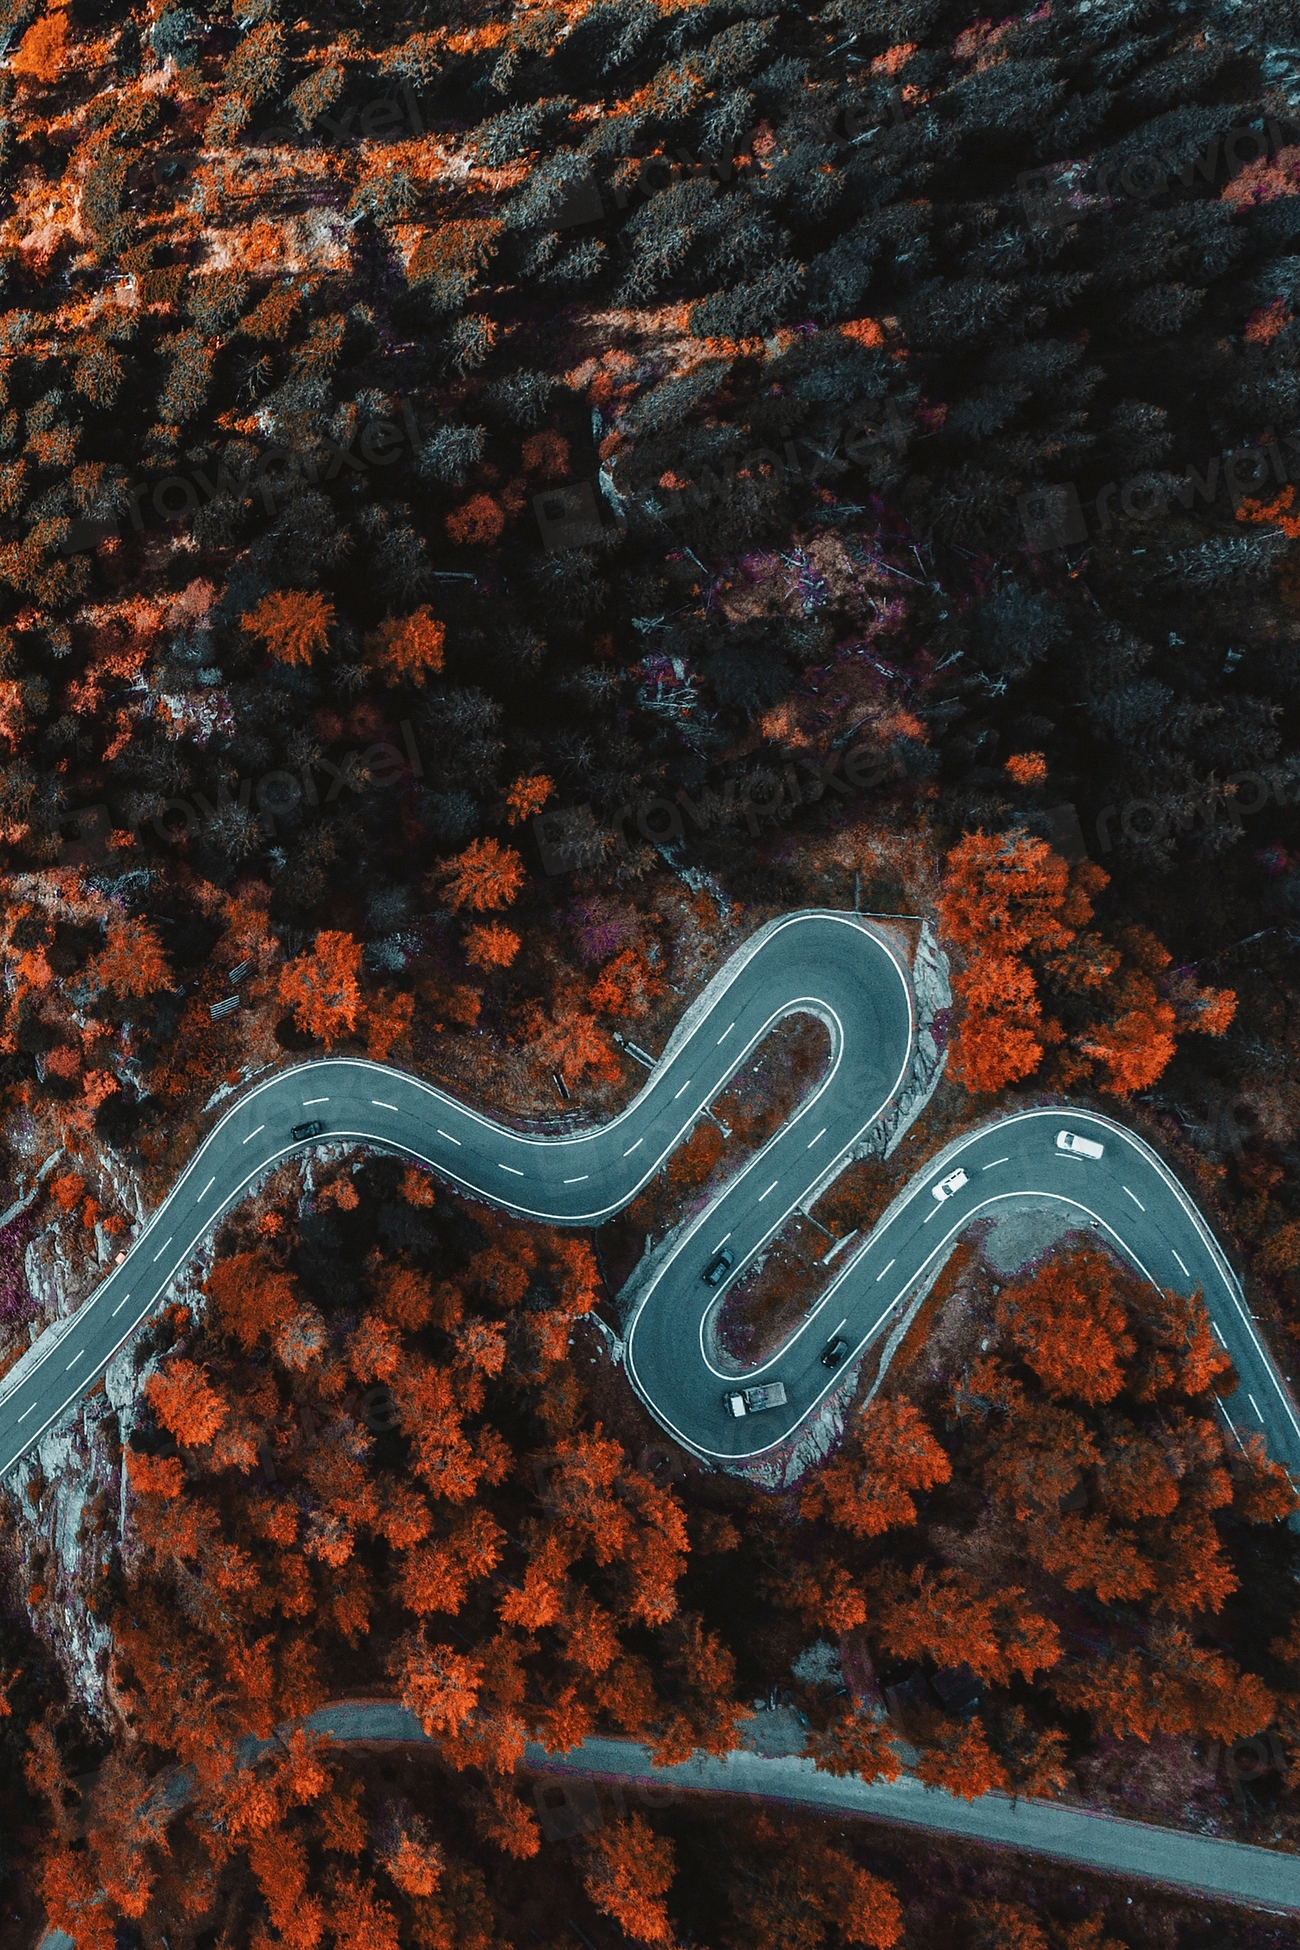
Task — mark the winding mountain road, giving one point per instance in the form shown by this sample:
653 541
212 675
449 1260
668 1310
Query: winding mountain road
831 965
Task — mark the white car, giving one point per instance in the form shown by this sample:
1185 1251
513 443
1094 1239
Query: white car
947 1186
1084 1147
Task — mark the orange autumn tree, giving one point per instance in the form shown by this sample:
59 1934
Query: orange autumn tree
294 624
323 987
627 1872
486 875
790 1891
1069 1324
132 963
406 649
491 946
626 986
867 1488
526 797
1018 916
43 48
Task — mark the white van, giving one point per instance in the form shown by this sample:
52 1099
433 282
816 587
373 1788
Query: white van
1082 1146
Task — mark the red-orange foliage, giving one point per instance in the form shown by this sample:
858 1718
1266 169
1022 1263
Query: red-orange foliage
491 946
570 1041
476 522
406 649
293 623
527 796
249 1298
486 875
1068 1323
628 1871
1018 916
958 1757
866 1488
546 454
626 986
799 1892
43 47
322 986
186 1403
133 962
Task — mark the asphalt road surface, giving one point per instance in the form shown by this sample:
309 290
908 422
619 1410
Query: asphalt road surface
830 964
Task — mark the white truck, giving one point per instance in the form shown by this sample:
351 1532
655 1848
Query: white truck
749 1401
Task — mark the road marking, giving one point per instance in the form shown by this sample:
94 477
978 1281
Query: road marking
726 1032
1215 1325
1136 1200
121 1303
835 1330
1179 1258
996 1161
722 1242
511 1169
817 1140
207 1188
26 1412
314 1100
931 1215
879 1277
379 1104
81 1350
252 1135
450 1139
161 1250
1255 1405
771 1188
685 1086
633 1147
578 1181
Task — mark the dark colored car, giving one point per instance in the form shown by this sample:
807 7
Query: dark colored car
834 1352
718 1268
311 1130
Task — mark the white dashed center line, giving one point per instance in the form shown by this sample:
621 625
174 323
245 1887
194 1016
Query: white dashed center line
207 1188
1179 1258
880 1276
685 1087
121 1303
578 1181
633 1147
450 1139
252 1135
722 1242
1255 1405
511 1170
726 1032
817 1140
771 1188
379 1104
996 1161
81 1350
1136 1200
161 1250
314 1100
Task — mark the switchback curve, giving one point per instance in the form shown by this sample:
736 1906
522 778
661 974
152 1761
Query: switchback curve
830 964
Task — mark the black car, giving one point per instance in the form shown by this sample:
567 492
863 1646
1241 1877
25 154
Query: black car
311 1130
834 1352
718 1268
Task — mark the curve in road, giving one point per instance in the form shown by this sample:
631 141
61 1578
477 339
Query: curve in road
831 965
